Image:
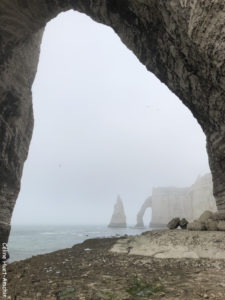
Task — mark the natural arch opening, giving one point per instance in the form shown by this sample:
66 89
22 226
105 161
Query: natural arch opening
119 121
147 217
193 76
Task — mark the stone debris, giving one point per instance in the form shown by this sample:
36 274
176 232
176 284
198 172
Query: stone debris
210 225
211 221
206 215
183 223
174 223
196 225
221 225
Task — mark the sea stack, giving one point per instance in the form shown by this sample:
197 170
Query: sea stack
118 218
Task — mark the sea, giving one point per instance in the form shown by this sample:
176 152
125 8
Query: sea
27 241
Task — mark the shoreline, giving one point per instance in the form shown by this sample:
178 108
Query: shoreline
91 271
25 242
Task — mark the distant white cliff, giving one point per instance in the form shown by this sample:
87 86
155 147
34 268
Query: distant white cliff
118 218
171 202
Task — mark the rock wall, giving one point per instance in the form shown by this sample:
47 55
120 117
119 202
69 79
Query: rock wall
189 203
16 123
118 217
182 42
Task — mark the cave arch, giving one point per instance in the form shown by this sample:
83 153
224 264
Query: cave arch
181 42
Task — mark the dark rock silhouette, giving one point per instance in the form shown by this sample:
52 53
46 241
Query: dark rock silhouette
183 223
174 223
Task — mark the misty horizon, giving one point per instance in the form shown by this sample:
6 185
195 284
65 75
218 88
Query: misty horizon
104 126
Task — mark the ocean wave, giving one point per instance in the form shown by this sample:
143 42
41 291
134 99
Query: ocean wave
49 233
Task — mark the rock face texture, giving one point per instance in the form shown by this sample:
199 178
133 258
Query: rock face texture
147 204
16 122
189 203
118 218
208 221
174 223
182 42
174 244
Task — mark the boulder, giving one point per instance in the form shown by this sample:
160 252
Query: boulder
196 226
183 223
211 225
174 223
221 225
206 216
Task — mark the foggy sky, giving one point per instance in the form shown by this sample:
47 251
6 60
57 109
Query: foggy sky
103 126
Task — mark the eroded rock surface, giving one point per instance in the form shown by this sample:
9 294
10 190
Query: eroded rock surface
208 221
174 244
177 222
183 223
174 223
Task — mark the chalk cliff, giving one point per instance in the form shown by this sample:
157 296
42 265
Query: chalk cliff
170 202
118 218
189 203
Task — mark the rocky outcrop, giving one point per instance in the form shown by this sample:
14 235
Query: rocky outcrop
208 221
183 223
118 217
147 204
189 203
176 222
182 42
174 244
